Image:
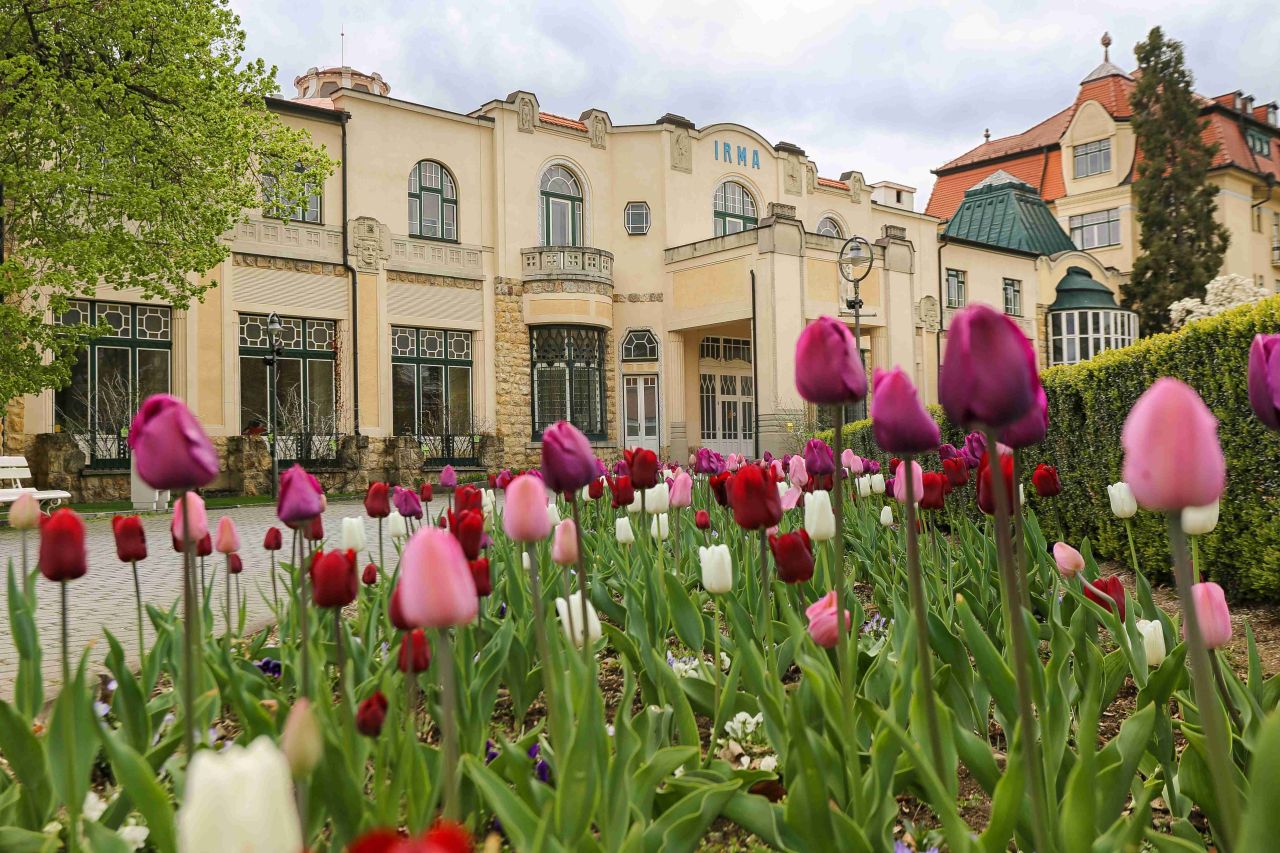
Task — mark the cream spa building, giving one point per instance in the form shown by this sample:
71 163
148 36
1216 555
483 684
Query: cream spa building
463 281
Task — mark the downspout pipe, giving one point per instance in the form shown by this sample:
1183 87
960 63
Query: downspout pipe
755 368
937 339
351 274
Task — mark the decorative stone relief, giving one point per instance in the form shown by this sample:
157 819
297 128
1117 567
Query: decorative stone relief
928 315
791 176
369 239
244 259
810 176
856 185
526 115
598 132
681 151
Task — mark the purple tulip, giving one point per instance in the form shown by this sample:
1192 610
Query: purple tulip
975 444
899 421
1031 428
567 461
448 477
890 485
707 461
1264 379
504 477
169 446
407 503
621 468
301 498
872 466
828 365
819 458
1172 458
988 375
947 451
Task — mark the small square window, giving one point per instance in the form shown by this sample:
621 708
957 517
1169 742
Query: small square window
635 217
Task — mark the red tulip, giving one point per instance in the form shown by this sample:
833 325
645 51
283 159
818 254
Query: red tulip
467 497
643 465
443 837
623 492
986 494
273 540
377 501
170 449
235 565
720 487
794 555
1113 597
934 485
1045 480
702 519
131 541
468 529
62 554
370 576
595 489
425 492
828 364
480 574
205 546
313 529
415 651
371 714
957 471
333 579
398 620
755 499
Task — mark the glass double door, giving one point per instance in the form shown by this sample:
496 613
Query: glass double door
640 416
727 406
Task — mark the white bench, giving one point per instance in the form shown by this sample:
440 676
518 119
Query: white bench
13 470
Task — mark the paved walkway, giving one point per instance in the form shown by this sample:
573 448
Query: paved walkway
104 597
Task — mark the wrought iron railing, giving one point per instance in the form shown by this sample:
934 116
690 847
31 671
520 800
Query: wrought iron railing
104 451
450 449
307 448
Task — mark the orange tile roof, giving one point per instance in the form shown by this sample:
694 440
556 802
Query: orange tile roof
1111 92
1041 169
1047 132
833 183
561 121
322 103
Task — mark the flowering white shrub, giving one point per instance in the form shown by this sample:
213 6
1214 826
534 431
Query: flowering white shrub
1223 293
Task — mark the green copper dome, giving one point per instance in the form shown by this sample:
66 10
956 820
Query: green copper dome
1004 212
1079 289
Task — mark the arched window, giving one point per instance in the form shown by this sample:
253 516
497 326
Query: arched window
640 345
561 207
735 209
828 227
433 202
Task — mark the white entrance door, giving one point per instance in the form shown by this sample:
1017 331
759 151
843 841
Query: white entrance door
640 400
728 412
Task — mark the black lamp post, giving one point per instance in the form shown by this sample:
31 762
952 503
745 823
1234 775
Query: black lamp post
273 362
855 265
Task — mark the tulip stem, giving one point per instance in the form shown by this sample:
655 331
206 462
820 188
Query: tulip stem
226 610
137 595
275 592
73 808
338 647
1019 641
924 661
768 600
1225 691
582 581
25 570
838 511
300 582
190 613
1195 559
449 725
1218 748
540 629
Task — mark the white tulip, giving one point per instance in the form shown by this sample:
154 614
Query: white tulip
819 520
1123 503
553 513
486 500
524 560
864 486
717 568
397 527
573 607
877 484
1152 640
659 528
783 488
1022 494
239 799
585 494
1199 520
886 516
353 534
634 506
623 532
657 500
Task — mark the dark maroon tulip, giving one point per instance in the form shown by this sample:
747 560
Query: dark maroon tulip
313 529
595 489
273 539
957 471
986 493
702 519
623 492
468 528
755 499
720 487
333 579
1113 594
793 554
131 541
415 651
642 464
398 620
377 501
62 554
235 565
480 574
1046 482
370 576
371 714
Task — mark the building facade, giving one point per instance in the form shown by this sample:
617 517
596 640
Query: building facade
462 281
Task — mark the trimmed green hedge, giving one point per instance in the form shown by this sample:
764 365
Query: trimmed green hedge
1088 404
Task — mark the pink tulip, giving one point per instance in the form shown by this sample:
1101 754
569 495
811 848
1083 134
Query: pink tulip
25 512
851 461
799 472
301 498
828 365
775 468
733 463
170 449
791 498
564 547
1070 561
1172 458
681 494
448 477
900 482
1212 614
899 420
823 626
988 374
524 517
437 589
199 522
228 539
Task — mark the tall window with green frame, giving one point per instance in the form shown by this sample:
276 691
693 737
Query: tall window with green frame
561 212
129 362
430 382
734 207
300 399
433 202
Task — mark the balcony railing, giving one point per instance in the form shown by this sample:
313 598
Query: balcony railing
440 450
567 262
1275 254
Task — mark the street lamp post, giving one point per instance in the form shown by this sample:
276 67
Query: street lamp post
273 362
855 265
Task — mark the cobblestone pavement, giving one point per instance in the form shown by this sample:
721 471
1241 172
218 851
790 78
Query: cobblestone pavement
104 597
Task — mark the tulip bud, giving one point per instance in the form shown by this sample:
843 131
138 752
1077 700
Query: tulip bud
819 520
755 501
717 568
62 552
25 512
371 714
935 489
333 579
272 540
228 541
397 527
864 486
852 462
448 477
415 651
900 482
439 591
988 374
526 517
886 516
1070 561
1264 379
1199 520
571 611
798 472
659 528
353 534
567 461
131 541
1152 641
824 622
819 459
553 514
564 546
877 484
657 499
702 519
377 501
828 364
407 502
793 555
1123 503
196 523
1212 614
301 497
1046 482
301 741
313 529
170 449
899 421
1172 458
622 531
235 565
642 465
240 799
370 576
481 577
1108 593
681 494
486 501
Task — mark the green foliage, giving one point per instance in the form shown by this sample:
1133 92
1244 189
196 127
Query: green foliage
140 136
1181 243
1088 404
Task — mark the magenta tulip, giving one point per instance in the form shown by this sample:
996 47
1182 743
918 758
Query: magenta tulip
524 517
407 502
828 365
1031 428
198 523
1264 379
1212 614
448 477
1172 458
170 448
899 421
568 463
228 538
301 498
988 374
437 588
681 494
819 460
900 482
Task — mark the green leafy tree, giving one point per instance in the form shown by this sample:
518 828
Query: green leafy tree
135 134
1181 245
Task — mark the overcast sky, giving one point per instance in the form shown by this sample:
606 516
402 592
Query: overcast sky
892 89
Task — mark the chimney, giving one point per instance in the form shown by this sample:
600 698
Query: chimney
1246 105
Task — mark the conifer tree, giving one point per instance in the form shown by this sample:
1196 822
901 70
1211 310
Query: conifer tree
1181 244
